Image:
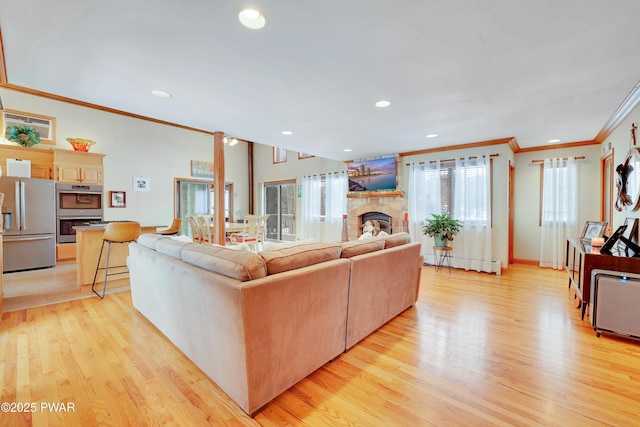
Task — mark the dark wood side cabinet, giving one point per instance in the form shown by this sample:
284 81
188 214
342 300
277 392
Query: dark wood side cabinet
582 259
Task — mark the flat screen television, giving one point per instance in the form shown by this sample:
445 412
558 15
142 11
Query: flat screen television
372 175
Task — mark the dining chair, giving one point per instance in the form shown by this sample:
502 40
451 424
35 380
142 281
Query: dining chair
205 229
254 230
195 229
175 227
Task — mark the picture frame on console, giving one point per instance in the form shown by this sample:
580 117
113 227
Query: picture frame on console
593 229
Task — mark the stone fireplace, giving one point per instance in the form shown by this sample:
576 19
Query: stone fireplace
388 208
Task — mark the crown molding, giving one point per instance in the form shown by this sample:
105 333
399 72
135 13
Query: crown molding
462 146
557 146
623 111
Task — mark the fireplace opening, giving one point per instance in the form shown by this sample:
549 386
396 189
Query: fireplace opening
380 221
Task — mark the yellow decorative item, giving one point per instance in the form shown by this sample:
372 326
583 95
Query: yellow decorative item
81 144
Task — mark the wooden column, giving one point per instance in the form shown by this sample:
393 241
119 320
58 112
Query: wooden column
218 187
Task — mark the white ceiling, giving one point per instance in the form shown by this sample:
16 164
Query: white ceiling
467 70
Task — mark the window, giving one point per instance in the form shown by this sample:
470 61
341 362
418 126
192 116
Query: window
555 203
462 179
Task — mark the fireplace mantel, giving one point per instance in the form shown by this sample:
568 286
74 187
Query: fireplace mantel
373 194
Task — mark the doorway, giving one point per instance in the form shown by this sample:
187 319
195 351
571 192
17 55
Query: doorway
279 201
195 197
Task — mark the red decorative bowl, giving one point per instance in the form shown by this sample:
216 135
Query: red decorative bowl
80 144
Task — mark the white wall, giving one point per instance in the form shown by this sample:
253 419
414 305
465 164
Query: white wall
293 169
527 195
135 147
620 142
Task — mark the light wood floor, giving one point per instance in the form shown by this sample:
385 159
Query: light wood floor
476 350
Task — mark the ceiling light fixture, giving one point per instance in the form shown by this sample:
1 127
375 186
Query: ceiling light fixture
432 135
287 132
551 141
231 141
252 18
348 149
161 94
382 104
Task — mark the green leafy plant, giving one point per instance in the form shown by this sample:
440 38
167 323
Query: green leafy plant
441 225
23 135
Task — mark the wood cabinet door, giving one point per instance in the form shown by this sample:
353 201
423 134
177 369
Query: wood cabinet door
40 171
92 175
68 174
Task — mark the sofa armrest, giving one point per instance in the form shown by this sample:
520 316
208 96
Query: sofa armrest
295 322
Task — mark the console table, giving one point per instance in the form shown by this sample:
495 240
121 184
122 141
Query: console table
581 259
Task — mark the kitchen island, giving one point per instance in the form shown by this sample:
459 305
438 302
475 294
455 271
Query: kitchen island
88 244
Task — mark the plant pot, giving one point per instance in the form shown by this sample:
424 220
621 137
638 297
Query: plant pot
440 242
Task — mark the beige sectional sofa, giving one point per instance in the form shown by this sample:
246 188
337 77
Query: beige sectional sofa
256 324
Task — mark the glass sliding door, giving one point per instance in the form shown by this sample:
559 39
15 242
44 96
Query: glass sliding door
280 205
193 198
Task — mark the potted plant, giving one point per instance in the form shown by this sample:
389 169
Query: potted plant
23 135
442 228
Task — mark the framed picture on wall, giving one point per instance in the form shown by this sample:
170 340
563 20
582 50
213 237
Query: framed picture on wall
304 155
279 155
141 184
117 199
45 125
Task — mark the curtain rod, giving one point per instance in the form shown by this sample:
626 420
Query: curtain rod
320 174
451 160
564 158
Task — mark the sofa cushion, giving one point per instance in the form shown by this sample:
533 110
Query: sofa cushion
171 247
397 239
239 265
149 240
274 246
299 256
359 247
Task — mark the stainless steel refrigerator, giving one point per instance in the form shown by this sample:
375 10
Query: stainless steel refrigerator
29 226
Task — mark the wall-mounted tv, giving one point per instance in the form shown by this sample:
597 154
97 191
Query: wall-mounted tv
372 175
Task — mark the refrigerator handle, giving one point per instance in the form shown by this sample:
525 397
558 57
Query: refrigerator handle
16 194
23 206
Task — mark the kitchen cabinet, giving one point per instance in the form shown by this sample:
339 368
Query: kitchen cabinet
41 159
78 167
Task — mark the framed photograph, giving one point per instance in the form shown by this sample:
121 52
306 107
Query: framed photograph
201 169
117 199
304 155
631 232
141 184
279 155
593 229
45 125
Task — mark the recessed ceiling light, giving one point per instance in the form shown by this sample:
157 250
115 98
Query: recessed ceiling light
252 18
551 141
161 94
287 132
382 104
348 149
432 135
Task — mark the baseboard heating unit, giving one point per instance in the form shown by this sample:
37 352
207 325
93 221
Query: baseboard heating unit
615 303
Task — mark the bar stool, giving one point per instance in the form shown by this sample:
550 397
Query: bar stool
442 256
115 232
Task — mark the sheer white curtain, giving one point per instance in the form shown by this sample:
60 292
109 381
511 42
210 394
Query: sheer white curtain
335 205
472 206
424 199
559 210
311 207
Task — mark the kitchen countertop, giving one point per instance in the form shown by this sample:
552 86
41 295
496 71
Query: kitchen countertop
103 226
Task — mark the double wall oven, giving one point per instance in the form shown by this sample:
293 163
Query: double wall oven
76 205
